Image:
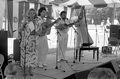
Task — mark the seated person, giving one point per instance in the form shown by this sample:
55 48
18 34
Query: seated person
10 71
101 73
118 74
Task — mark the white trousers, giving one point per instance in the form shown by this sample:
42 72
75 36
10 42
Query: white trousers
42 48
62 44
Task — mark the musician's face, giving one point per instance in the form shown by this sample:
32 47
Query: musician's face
32 14
43 13
63 15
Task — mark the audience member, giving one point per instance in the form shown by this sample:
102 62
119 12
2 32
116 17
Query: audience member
118 74
101 73
11 71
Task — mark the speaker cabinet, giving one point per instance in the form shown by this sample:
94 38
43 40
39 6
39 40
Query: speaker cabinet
115 31
84 74
16 51
3 48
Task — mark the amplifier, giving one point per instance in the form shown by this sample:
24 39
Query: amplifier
16 51
115 31
107 50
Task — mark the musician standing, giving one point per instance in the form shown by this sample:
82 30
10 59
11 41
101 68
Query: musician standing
79 28
28 43
62 35
42 43
83 37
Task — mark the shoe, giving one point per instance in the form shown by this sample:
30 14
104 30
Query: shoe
82 55
31 74
44 64
40 65
63 60
58 60
24 74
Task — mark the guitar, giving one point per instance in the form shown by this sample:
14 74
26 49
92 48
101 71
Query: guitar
62 27
45 27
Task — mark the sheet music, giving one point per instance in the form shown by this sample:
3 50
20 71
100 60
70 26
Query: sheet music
31 26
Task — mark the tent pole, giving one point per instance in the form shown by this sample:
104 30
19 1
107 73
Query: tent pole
5 14
114 14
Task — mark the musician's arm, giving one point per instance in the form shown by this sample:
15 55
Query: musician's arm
59 26
77 24
69 23
21 29
38 32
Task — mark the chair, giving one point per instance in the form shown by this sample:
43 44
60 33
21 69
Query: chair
1 63
114 42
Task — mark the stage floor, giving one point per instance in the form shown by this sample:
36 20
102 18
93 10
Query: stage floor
69 68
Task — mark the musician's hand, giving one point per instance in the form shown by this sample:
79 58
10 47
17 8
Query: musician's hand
37 33
65 24
56 21
77 24
61 29
44 27
21 29
41 34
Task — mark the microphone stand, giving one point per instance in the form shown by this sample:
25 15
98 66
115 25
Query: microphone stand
58 33
24 68
75 50
56 67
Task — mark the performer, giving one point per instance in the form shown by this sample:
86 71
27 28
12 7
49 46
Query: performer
78 35
42 43
28 43
62 35
83 37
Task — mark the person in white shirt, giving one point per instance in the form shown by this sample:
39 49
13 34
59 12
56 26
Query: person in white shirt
42 41
116 21
62 35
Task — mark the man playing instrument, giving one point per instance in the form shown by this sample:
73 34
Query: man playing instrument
62 35
42 43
